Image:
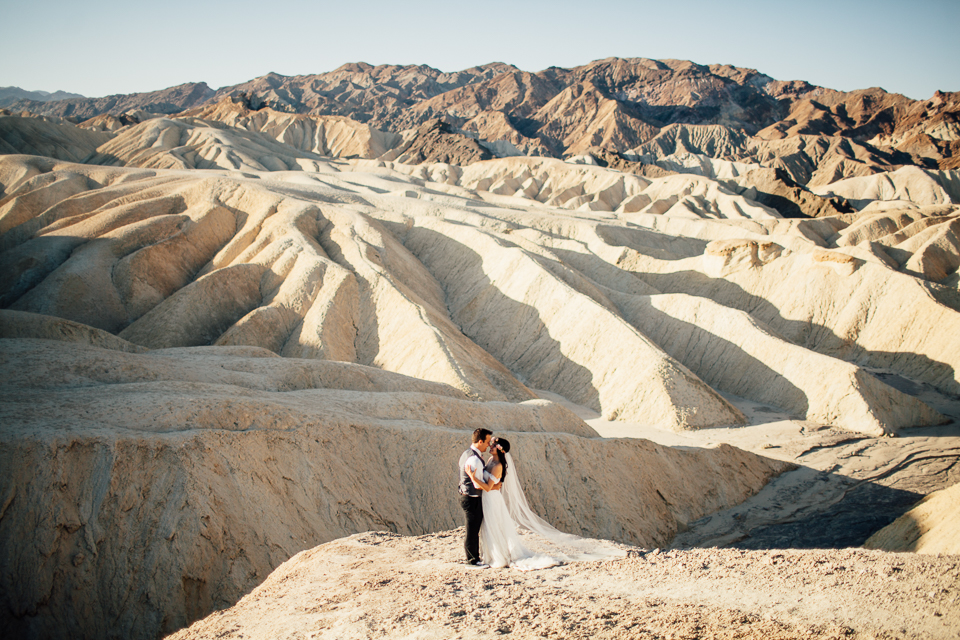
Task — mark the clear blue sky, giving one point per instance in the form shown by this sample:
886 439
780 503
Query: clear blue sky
102 47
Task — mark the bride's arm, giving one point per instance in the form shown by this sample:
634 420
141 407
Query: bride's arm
486 486
497 471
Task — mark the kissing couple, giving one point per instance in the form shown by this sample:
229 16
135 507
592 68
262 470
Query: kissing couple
494 506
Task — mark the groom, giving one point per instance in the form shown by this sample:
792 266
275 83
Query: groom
471 488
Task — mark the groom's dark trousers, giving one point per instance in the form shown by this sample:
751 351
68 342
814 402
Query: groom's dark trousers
473 509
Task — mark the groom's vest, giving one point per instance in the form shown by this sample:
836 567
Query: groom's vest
466 484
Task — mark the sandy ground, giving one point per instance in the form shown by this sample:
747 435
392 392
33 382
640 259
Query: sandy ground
790 566
388 586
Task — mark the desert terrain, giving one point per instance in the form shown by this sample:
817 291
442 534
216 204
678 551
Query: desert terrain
246 333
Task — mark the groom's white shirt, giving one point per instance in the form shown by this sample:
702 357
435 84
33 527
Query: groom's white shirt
475 464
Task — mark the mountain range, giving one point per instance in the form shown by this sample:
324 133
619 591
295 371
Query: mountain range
9 95
614 104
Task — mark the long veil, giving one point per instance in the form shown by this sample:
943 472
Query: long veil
565 546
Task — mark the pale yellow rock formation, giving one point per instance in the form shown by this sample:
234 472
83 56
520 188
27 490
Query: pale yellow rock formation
19 324
591 188
729 349
938 253
557 338
719 151
335 136
51 137
919 240
736 354
177 480
378 307
910 184
932 526
192 143
827 301
414 273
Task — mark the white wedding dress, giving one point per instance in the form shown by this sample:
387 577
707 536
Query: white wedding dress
500 543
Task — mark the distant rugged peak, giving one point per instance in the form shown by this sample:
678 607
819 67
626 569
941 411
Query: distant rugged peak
642 62
681 65
9 95
354 67
165 101
944 96
435 124
272 80
502 66
436 141
241 102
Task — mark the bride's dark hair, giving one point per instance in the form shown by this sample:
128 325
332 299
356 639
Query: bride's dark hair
504 446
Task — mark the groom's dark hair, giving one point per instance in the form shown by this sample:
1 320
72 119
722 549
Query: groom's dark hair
479 435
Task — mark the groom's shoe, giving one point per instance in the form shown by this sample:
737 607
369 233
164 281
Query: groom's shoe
478 565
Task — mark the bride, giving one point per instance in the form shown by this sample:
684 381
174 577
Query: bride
506 509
